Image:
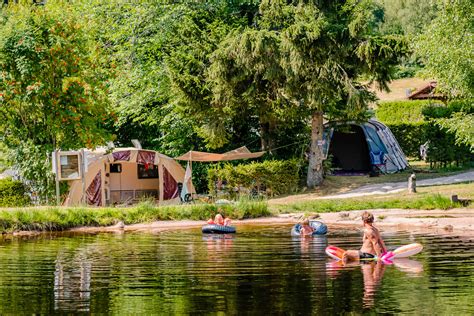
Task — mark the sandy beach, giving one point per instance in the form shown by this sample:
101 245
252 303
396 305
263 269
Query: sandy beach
455 221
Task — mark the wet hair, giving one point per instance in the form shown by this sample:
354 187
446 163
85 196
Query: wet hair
306 222
367 217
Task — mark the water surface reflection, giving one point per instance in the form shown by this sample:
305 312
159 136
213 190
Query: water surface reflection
261 269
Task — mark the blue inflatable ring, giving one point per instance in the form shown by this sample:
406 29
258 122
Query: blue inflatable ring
218 229
319 228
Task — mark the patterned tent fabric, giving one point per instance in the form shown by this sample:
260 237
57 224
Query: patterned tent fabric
170 190
146 157
121 155
94 192
98 162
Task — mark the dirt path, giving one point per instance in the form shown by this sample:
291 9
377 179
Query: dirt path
379 188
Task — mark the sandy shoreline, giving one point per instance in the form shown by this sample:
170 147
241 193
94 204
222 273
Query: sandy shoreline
455 221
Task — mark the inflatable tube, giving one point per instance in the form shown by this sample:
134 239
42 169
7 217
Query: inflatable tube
319 228
335 252
218 229
407 250
401 252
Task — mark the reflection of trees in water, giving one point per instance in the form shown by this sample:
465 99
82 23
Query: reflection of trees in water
74 271
72 282
183 273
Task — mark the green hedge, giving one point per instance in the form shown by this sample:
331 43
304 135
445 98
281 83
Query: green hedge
12 193
413 124
409 136
271 177
401 112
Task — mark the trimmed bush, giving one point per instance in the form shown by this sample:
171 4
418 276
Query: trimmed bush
271 177
401 112
443 149
12 193
410 136
412 123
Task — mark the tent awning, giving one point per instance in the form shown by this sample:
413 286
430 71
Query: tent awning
239 153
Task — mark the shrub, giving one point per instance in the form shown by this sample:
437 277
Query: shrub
12 193
271 177
401 112
443 149
413 124
410 136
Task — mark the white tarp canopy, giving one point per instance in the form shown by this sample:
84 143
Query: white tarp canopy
239 153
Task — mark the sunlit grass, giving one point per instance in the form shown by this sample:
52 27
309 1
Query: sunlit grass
427 198
61 218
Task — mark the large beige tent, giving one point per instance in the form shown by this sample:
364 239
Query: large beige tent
125 176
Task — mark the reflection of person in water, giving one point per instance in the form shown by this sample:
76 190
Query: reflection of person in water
372 273
219 243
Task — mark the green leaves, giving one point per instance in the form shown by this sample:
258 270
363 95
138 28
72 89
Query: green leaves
52 86
269 178
51 82
446 48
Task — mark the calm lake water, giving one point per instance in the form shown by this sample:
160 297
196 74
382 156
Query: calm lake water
261 270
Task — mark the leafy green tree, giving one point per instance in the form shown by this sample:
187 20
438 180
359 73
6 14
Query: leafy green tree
161 52
3 157
305 58
447 50
52 85
409 17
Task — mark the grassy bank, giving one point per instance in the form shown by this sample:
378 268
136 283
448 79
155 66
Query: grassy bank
60 218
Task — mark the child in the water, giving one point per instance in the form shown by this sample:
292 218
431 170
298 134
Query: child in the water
219 220
306 229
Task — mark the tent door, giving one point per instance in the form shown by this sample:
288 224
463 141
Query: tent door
349 150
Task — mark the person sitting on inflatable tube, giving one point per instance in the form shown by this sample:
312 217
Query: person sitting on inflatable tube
306 229
219 220
372 244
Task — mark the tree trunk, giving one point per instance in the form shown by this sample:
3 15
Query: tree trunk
315 168
266 139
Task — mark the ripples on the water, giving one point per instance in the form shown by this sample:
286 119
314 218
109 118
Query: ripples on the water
260 270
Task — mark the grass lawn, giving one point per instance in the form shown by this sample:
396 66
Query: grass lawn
341 184
427 198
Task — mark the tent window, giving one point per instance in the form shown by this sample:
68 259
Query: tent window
69 166
147 171
115 168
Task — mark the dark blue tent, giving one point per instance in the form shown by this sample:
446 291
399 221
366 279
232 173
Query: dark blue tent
363 147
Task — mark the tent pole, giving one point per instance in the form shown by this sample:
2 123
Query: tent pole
191 179
56 156
83 180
